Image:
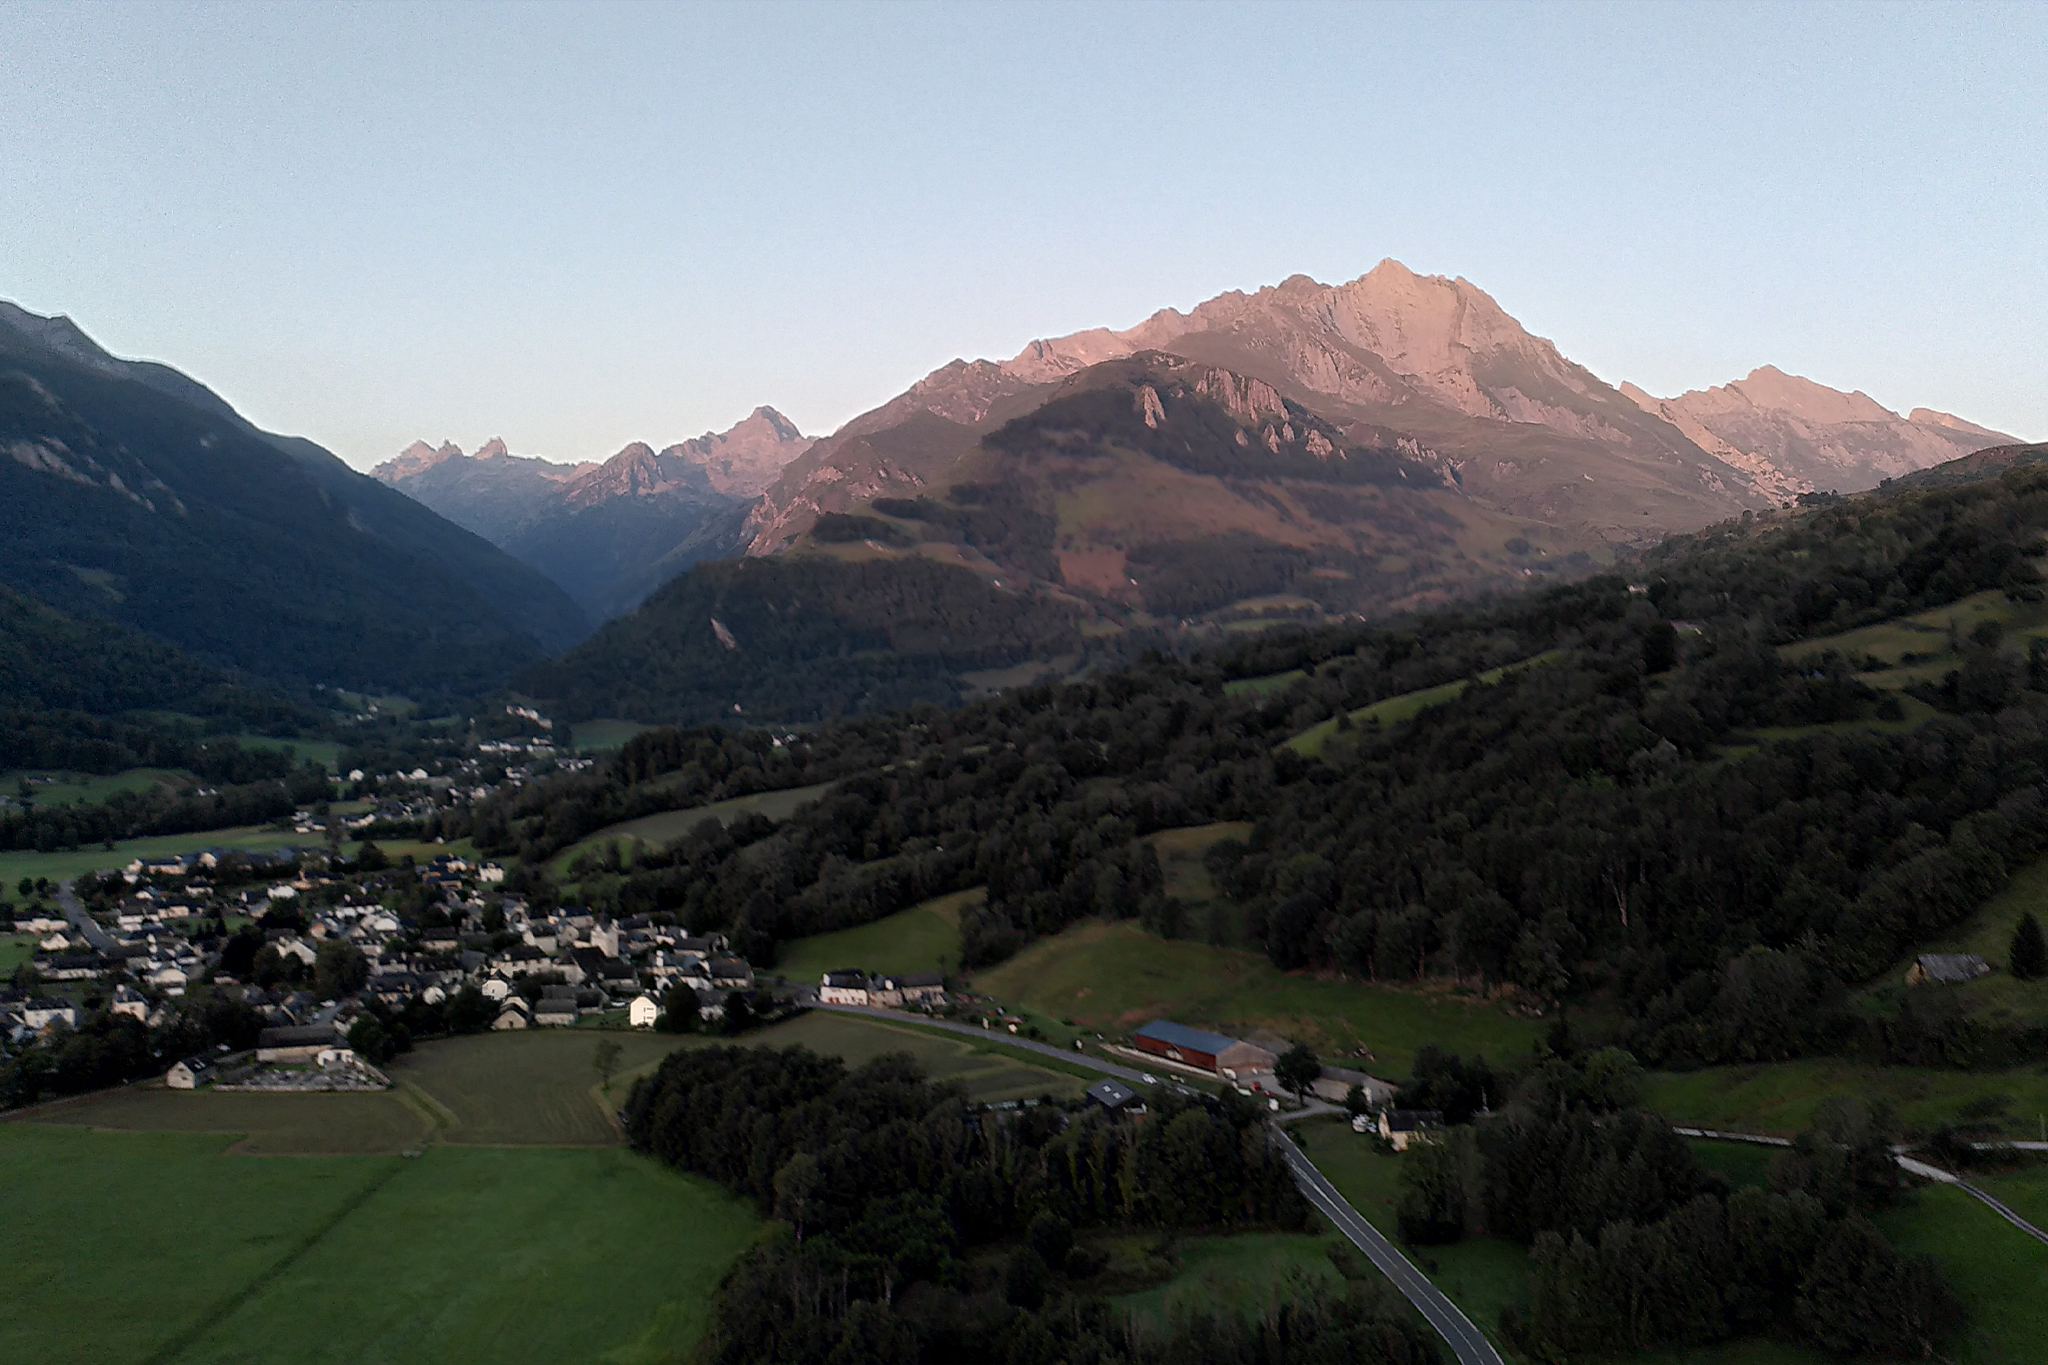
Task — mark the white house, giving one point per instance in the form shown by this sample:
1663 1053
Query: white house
907 988
496 988
512 1015
129 1001
643 1012
189 1074
843 988
40 1014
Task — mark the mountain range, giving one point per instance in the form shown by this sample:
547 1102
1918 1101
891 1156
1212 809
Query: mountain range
134 494
609 533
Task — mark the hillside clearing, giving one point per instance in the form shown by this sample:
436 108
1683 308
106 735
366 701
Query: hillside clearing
1394 710
663 826
924 938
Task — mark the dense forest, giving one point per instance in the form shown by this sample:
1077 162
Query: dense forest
1634 1246
914 1226
1604 821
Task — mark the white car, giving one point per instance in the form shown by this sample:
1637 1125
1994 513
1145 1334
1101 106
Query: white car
1150 1080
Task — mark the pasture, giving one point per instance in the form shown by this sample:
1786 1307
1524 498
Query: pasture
1115 976
63 866
2000 999
989 1071
1407 706
1780 1097
603 736
55 787
267 1125
663 826
530 1088
151 1247
924 938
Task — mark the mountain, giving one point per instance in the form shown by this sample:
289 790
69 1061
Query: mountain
136 494
608 533
1976 465
492 492
1810 437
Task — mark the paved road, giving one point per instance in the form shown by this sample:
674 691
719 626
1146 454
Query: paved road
1907 1164
1466 1341
99 938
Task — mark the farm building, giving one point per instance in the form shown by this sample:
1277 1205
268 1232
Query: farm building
1208 1051
1115 1097
843 988
1404 1126
1946 968
908 987
189 1074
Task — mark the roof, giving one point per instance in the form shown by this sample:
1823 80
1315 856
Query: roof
192 1064
1111 1094
1189 1039
305 1035
852 980
1408 1120
914 979
1953 966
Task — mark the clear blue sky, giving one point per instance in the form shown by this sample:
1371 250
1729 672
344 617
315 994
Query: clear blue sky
576 226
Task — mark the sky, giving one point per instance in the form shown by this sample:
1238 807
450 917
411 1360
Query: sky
575 226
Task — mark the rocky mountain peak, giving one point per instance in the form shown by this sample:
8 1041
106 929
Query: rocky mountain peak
493 449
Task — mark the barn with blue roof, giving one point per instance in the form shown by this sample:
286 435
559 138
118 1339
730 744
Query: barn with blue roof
1199 1048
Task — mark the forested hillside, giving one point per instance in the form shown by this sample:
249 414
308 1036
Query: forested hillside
132 493
1663 807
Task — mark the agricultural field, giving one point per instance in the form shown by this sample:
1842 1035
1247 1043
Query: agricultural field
529 1088
603 736
265 1125
663 826
1248 1271
458 1255
1115 976
325 752
1780 1097
989 1071
64 866
15 949
1263 686
924 938
2000 999
1407 706
52 787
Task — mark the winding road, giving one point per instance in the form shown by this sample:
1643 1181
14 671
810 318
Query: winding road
1466 1341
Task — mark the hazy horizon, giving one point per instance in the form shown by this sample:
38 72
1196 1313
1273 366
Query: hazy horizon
577 227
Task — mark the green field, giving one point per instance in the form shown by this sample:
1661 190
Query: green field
64 866
1780 1097
1247 1271
2000 999
1115 976
988 1070
160 1247
325 752
527 1088
658 829
75 789
268 1125
15 949
1394 710
923 938
2000 1273
600 736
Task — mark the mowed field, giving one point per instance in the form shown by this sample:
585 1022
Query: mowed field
63 866
1781 1097
487 1210
658 829
1115 976
162 1248
924 938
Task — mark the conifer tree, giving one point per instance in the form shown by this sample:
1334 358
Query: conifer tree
2028 956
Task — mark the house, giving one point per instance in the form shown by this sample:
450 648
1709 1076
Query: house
644 1012
555 1011
907 988
513 1014
72 967
1114 1097
1404 1126
189 1074
1206 1051
843 988
40 1014
496 988
301 1043
731 974
1948 969
129 1001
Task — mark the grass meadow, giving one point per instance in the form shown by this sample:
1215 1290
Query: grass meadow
1115 976
658 829
1780 1097
64 865
923 938
1407 706
1249 1270
382 1123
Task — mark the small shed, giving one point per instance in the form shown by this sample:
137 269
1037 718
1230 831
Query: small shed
1948 969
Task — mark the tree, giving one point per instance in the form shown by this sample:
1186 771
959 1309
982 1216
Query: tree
679 1010
1051 1236
606 1060
339 968
2028 957
370 858
1355 1101
368 1038
739 1013
1862 1297
1024 1279
1297 1069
